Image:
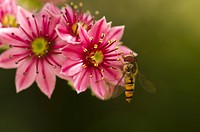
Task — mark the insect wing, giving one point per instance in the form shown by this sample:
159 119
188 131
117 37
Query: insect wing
146 84
118 90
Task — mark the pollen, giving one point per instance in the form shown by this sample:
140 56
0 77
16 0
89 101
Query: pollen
40 46
75 7
80 4
9 21
91 38
71 3
84 66
85 50
96 64
91 76
109 42
95 46
75 29
100 40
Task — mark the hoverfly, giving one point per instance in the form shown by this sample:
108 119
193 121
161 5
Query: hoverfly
130 72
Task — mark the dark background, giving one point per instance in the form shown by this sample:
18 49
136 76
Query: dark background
166 35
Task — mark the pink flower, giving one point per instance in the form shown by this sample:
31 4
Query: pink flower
8 10
72 19
8 13
34 50
55 1
95 62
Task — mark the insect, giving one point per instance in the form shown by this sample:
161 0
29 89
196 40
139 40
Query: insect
130 72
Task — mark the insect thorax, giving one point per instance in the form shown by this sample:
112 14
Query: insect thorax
130 68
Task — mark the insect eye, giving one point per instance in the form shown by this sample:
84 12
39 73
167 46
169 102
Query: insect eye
130 59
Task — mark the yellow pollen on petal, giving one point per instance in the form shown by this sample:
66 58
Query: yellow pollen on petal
91 76
102 70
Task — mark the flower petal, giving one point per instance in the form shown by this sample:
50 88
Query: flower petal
98 28
25 75
52 9
64 34
126 51
45 79
100 87
59 60
115 33
74 52
81 80
23 17
70 67
112 75
70 13
8 58
7 36
85 39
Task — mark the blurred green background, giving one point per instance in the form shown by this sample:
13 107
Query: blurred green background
166 35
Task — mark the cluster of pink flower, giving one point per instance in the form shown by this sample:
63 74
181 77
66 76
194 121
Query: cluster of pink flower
67 43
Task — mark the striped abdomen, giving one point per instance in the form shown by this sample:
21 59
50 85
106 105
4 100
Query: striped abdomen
129 87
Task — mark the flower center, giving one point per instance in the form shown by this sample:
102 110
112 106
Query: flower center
40 46
96 58
9 21
75 28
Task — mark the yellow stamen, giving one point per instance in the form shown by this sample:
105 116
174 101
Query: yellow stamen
80 4
95 64
84 66
100 40
95 46
85 50
96 12
91 38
